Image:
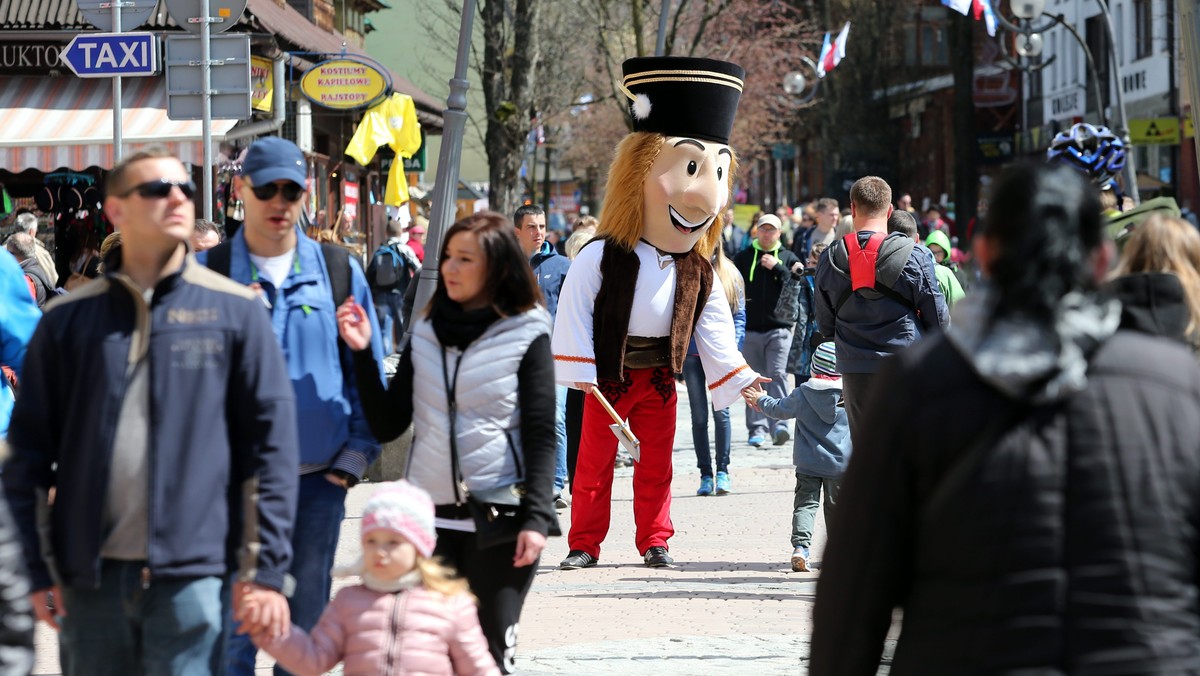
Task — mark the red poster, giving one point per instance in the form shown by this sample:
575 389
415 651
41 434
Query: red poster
350 200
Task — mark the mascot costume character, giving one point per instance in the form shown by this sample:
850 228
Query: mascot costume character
637 293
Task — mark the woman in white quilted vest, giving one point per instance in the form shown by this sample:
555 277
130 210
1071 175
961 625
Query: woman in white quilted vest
477 382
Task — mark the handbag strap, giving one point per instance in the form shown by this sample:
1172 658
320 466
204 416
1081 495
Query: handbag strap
456 475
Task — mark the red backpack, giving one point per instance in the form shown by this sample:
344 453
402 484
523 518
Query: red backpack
865 271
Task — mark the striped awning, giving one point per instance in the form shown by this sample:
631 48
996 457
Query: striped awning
49 123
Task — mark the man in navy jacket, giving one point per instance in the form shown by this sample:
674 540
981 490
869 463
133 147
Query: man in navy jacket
171 451
870 326
550 270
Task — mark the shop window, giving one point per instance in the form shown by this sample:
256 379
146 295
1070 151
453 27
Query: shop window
934 48
1143 28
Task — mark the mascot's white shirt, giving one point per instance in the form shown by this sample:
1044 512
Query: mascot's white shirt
725 370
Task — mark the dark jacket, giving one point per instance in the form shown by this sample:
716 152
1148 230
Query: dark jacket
1152 302
42 287
16 632
550 269
763 285
222 438
1071 548
870 327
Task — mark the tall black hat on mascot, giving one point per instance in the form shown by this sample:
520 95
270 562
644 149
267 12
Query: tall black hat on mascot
683 96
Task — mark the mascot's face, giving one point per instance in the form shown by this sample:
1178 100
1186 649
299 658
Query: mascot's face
686 187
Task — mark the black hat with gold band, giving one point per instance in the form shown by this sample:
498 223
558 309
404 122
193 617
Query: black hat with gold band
683 96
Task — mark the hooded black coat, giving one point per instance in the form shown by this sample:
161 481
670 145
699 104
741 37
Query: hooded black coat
1071 548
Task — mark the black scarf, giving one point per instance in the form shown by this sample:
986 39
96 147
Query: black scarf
456 327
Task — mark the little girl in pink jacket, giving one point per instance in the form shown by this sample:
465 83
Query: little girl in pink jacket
409 616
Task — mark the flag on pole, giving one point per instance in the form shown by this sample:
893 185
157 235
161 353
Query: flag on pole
960 6
989 15
832 52
825 50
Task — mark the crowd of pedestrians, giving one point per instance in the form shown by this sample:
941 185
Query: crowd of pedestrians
1010 480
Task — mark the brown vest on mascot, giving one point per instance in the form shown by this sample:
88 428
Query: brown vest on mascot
614 303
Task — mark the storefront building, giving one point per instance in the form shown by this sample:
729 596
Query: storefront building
56 129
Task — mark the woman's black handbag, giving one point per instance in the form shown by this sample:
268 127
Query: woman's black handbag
497 514
496 511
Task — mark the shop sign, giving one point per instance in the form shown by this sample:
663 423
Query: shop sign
996 148
1146 78
1065 104
30 58
416 163
349 200
344 84
262 89
1154 131
1188 130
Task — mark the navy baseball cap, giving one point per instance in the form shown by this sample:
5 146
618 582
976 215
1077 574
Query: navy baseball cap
275 159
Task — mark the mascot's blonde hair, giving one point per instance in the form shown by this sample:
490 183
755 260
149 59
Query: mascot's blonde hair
622 219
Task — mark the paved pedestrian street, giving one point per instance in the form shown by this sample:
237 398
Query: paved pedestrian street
730 604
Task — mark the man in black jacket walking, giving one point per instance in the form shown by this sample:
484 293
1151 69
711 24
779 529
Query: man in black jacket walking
764 265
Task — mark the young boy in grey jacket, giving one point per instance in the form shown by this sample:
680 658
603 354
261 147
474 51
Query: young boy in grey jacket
822 447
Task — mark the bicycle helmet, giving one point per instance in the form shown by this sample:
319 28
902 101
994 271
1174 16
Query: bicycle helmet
1092 149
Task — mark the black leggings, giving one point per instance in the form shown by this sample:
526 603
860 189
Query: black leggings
574 430
500 588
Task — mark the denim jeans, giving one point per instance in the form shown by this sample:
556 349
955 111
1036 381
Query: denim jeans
766 352
693 377
172 626
560 429
806 502
320 508
388 306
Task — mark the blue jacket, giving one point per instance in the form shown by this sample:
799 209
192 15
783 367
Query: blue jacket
222 439
17 321
868 330
822 445
333 429
550 269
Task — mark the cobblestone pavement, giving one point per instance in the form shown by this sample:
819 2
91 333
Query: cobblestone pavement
730 605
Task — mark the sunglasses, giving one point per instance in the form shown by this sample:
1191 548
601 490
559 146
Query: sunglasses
161 189
266 193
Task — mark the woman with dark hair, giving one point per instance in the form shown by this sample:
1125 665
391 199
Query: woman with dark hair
1028 492
477 382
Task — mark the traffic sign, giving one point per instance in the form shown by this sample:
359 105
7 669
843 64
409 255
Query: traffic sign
224 14
112 54
134 13
229 77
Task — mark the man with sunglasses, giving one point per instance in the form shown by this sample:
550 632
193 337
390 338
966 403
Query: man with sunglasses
294 278
171 451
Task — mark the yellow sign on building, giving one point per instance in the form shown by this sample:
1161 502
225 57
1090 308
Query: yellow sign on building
262 86
344 84
1163 131
1188 130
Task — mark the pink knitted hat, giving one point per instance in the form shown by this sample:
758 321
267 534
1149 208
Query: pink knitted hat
401 507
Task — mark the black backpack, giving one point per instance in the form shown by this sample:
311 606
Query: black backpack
387 270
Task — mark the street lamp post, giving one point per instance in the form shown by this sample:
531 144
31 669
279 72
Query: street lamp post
1122 129
449 159
1189 31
